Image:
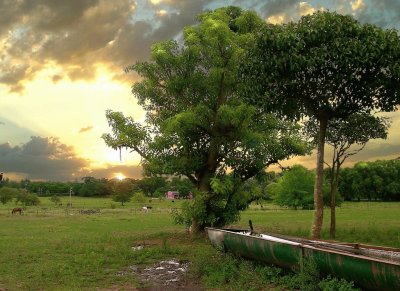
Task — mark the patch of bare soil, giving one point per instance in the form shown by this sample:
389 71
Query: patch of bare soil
165 275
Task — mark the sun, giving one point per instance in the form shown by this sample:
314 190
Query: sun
119 176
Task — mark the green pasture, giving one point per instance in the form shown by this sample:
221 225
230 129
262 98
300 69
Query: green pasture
52 248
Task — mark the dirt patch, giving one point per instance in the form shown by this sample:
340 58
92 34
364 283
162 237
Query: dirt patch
165 275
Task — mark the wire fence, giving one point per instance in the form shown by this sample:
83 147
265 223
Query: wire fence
70 211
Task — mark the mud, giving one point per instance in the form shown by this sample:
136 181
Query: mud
165 275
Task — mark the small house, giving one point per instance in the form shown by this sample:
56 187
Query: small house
172 195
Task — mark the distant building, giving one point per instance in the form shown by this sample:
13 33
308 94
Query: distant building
172 195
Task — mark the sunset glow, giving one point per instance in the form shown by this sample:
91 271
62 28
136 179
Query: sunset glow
61 71
120 176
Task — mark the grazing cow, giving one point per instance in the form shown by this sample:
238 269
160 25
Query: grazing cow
17 209
146 208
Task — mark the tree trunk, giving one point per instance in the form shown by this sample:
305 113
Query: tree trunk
195 228
319 177
334 186
332 230
203 186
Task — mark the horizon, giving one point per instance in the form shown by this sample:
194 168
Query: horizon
62 68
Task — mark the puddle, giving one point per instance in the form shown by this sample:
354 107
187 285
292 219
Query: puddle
164 275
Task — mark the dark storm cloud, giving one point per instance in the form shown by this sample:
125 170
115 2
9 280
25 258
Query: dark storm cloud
42 158
79 34
383 13
46 158
134 40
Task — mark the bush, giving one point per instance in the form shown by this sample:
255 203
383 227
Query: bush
139 197
27 199
7 194
218 208
294 189
55 199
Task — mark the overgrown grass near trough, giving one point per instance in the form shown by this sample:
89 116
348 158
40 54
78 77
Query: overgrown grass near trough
54 249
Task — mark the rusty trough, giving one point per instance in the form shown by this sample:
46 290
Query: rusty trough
371 267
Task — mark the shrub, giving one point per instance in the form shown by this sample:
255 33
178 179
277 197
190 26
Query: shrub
55 199
27 199
7 194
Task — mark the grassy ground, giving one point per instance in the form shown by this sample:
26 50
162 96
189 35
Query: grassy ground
49 248
376 223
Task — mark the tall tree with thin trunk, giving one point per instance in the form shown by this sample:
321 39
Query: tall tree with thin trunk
347 137
326 66
197 124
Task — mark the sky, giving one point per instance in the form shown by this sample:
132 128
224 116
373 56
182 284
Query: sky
62 66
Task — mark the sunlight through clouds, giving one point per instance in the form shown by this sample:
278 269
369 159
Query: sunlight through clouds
61 63
357 4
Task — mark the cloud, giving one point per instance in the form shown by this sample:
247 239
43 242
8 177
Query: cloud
46 158
277 7
277 12
42 158
304 8
80 35
85 129
383 13
357 4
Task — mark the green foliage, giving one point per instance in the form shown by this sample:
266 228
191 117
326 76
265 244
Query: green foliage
55 199
94 187
356 129
322 66
222 207
7 194
139 197
198 126
334 284
149 185
307 279
371 180
326 66
222 271
294 189
183 186
123 191
26 198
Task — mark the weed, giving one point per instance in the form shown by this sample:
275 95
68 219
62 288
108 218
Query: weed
334 284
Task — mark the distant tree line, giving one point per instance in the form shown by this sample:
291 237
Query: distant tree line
379 180
372 181
94 187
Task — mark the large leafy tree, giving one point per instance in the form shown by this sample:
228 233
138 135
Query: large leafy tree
326 66
197 125
347 137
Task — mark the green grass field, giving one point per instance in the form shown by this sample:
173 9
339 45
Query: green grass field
49 248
